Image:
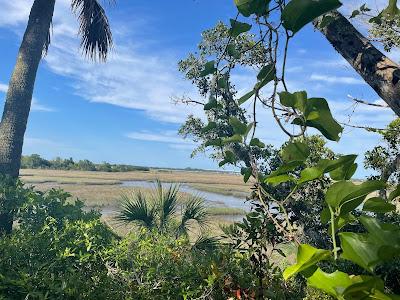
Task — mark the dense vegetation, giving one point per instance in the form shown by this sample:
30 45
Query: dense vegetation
303 199
35 161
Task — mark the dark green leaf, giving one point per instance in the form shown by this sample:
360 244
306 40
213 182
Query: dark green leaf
210 126
212 103
246 172
378 205
296 100
396 193
215 142
269 76
256 142
295 151
238 127
209 68
238 28
231 50
246 97
298 13
249 7
266 72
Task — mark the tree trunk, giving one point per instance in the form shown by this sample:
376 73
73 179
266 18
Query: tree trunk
381 73
19 94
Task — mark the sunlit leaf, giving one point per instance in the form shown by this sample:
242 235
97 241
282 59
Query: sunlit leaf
298 13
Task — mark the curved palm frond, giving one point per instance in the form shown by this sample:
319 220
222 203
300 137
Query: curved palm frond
134 209
205 243
94 28
167 202
194 210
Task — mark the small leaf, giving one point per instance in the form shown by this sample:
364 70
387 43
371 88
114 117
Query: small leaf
296 100
231 50
246 172
396 193
212 103
246 97
210 126
275 180
214 142
238 28
298 13
209 68
354 14
249 7
307 256
233 139
238 127
256 142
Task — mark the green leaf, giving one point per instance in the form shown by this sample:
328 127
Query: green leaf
267 76
324 166
214 142
318 115
345 172
354 14
238 28
212 103
249 7
286 167
246 172
359 249
237 138
229 157
396 193
298 13
246 97
209 68
332 284
296 100
345 191
231 50
307 256
378 205
325 215
257 143
295 151
210 126
238 127
275 180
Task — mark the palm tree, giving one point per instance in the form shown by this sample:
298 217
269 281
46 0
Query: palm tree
96 43
161 212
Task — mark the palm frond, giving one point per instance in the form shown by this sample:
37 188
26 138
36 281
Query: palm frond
194 210
167 202
134 209
94 28
205 243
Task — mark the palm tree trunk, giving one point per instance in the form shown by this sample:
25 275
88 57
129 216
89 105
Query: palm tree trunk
381 73
19 94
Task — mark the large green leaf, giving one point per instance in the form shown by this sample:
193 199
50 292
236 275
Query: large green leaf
333 284
368 250
295 151
298 13
360 249
378 205
266 75
318 115
344 172
249 7
246 97
325 166
346 191
238 28
307 256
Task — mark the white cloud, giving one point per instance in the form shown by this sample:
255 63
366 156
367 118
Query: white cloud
3 88
336 79
169 137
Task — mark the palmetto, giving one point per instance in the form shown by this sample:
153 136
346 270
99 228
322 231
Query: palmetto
96 42
163 211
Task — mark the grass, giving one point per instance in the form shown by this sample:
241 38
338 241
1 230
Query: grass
102 190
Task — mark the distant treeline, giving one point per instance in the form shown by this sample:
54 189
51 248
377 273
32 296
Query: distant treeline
35 161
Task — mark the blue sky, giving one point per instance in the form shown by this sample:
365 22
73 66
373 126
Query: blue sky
122 111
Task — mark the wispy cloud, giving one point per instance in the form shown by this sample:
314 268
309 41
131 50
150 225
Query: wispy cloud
169 137
335 79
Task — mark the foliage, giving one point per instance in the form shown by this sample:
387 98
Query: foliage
160 212
35 161
356 240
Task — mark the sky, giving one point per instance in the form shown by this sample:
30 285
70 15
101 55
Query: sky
122 111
